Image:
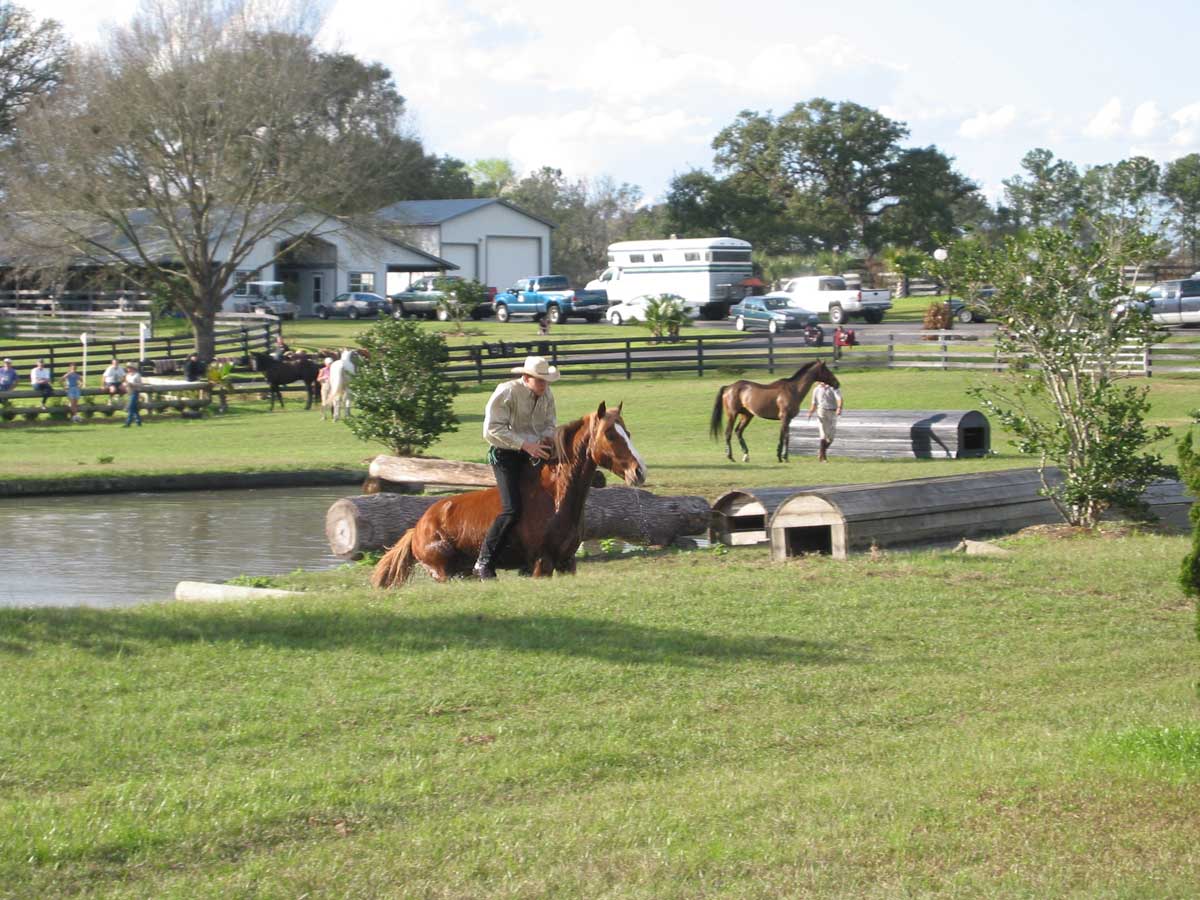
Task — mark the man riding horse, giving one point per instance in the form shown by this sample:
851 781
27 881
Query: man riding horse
519 424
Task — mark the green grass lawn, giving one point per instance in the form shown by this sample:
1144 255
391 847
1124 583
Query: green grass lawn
668 418
672 726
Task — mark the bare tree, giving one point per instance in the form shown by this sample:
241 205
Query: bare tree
32 59
197 133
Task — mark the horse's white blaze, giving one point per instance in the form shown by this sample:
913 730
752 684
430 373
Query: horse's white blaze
632 449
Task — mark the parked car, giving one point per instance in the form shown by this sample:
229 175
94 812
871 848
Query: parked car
425 296
267 297
354 305
550 296
771 313
829 295
968 312
1172 302
635 310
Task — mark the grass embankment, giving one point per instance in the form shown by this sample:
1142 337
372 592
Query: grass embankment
669 419
682 725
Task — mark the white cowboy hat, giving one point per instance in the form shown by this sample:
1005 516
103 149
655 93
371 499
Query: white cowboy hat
538 367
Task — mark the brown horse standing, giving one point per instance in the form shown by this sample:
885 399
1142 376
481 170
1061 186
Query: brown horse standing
447 538
743 400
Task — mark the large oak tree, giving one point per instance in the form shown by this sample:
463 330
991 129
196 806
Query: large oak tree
195 133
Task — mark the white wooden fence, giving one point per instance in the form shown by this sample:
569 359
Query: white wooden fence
39 324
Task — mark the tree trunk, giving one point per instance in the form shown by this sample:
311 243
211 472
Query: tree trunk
354 525
204 326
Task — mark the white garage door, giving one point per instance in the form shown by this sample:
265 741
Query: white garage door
510 258
462 255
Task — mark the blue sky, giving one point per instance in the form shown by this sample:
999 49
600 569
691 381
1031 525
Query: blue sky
637 90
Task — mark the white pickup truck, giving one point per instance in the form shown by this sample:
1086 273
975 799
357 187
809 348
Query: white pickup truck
828 295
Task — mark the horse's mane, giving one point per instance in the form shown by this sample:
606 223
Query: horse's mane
564 437
803 370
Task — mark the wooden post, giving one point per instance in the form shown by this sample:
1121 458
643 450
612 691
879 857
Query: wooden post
770 353
944 359
628 360
891 351
700 357
1148 361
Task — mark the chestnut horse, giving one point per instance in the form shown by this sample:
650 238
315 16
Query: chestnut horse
447 538
743 400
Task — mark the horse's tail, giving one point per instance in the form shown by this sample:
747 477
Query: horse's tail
395 566
714 425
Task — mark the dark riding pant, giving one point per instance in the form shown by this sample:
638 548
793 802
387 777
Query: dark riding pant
507 466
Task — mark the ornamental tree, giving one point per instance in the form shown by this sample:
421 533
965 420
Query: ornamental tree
1064 330
402 395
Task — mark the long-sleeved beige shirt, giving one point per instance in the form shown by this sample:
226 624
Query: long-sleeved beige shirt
515 415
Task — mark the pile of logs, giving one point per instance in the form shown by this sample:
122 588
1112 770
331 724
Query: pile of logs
355 525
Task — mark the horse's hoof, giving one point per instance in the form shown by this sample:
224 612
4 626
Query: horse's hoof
745 457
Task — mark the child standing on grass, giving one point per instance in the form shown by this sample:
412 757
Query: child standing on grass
133 384
74 384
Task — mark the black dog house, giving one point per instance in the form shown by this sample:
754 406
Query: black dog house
898 434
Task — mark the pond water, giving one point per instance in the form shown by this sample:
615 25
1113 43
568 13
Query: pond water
120 549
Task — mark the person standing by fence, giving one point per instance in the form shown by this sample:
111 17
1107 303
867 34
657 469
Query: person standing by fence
827 404
73 382
133 384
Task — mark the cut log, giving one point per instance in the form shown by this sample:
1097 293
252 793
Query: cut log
355 525
418 471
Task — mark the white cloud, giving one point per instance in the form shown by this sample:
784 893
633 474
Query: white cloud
1187 121
1145 119
1106 123
989 124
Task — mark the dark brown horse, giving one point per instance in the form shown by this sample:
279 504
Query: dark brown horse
447 538
743 400
280 372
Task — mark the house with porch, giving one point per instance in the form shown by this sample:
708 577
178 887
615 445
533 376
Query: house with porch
333 258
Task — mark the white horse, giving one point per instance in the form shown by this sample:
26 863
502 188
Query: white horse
340 374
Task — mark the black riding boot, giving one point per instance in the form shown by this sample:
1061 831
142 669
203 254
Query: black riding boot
821 448
483 566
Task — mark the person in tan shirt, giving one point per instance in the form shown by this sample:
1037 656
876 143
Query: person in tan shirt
519 426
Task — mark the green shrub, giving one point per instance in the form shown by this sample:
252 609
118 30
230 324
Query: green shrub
402 397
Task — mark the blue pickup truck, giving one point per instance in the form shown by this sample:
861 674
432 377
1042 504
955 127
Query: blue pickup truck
550 296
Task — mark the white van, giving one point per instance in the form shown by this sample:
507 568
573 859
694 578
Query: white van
707 272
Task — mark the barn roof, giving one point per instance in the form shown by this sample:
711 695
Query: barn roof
435 212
